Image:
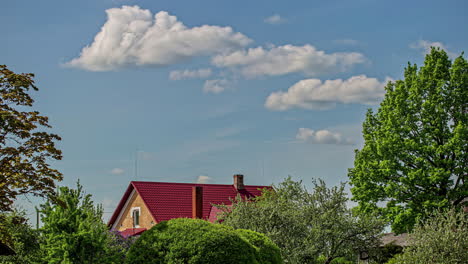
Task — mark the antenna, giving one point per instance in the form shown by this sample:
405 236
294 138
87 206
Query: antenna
136 164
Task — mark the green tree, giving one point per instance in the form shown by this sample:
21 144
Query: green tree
74 232
440 239
308 227
414 158
194 241
24 239
25 146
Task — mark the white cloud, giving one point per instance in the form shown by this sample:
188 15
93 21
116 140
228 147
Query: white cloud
320 136
131 37
425 47
315 94
215 86
274 19
203 179
189 74
117 171
279 60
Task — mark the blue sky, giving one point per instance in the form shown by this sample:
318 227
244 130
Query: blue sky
214 88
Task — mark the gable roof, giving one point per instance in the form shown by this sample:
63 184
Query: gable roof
168 200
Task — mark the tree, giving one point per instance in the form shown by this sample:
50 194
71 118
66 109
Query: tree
24 239
441 239
25 146
414 158
314 227
73 231
195 241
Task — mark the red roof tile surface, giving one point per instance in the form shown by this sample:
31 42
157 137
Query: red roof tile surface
129 232
174 200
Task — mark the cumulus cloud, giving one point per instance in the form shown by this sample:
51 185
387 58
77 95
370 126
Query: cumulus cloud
117 171
215 86
274 20
320 136
425 47
131 37
279 60
203 179
315 94
189 74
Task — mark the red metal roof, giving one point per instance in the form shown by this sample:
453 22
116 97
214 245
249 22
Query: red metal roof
167 200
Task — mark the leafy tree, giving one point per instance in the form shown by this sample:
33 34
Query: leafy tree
414 158
192 241
267 251
24 145
73 231
25 240
439 240
314 227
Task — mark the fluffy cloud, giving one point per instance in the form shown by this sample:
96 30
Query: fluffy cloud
215 86
188 74
203 179
425 47
279 60
315 94
117 171
131 37
320 136
274 20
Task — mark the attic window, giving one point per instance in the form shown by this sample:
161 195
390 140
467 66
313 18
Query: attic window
136 216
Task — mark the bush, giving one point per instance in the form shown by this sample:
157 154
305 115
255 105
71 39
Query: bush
194 241
441 239
267 251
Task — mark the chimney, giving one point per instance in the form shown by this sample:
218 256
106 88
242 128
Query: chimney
197 202
239 182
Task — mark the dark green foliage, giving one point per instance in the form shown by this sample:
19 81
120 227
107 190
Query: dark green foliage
73 231
191 241
441 239
267 251
382 255
25 240
414 159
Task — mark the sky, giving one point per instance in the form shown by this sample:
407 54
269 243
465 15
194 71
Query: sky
196 91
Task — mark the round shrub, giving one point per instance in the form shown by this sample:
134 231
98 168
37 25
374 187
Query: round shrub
267 251
191 241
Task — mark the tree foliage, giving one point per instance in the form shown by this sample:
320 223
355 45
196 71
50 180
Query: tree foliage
25 240
439 240
73 231
193 241
414 158
308 227
25 146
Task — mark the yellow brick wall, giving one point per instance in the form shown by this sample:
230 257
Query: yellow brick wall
126 221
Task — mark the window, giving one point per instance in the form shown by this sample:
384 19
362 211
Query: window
136 216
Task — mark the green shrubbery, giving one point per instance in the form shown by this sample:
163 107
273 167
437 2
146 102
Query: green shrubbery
193 241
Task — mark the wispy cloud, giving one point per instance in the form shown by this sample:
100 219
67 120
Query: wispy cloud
204 179
190 74
346 41
131 37
117 171
425 47
280 60
274 20
215 86
321 137
318 95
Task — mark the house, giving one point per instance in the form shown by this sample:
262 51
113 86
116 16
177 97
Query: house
145 204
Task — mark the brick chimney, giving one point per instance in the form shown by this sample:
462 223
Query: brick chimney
197 202
239 182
